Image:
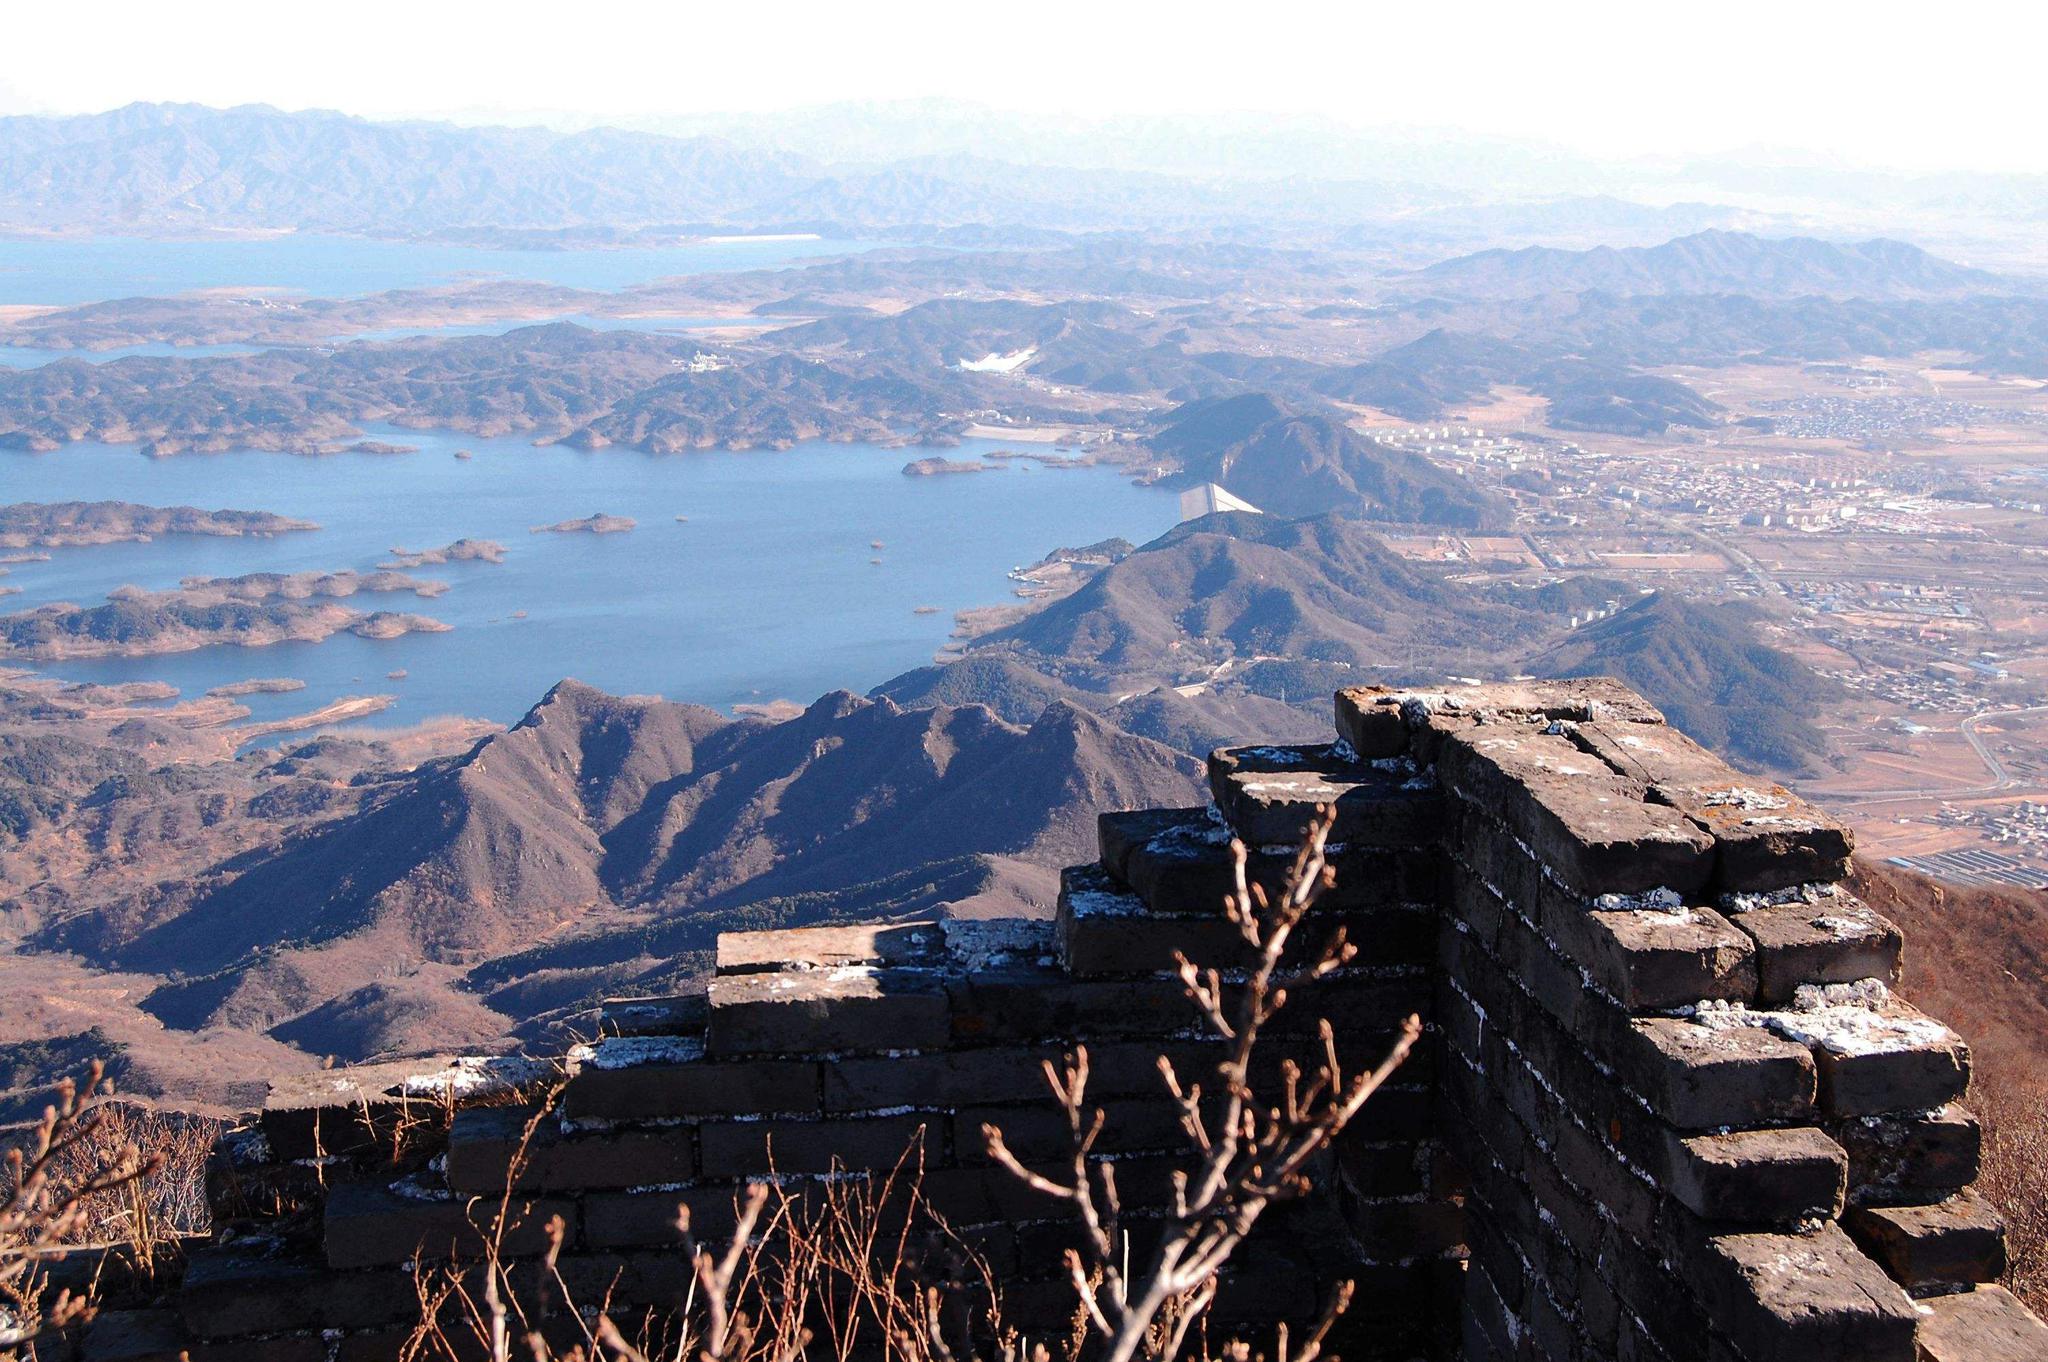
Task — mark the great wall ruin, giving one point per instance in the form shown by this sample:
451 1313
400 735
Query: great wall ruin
1667 1106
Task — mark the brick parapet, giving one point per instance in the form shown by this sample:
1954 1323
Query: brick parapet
1668 1106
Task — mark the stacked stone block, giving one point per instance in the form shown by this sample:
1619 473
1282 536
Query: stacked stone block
1667 1108
1672 1059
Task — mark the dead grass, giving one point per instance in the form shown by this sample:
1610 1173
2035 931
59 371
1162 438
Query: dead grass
1978 959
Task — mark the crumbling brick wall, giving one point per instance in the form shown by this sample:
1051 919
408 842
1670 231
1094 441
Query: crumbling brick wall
1667 1106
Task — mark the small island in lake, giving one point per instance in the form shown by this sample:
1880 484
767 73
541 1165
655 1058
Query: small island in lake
461 551
935 466
70 524
590 524
249 611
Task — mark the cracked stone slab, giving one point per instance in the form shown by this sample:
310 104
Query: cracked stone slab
1268 794
1590 826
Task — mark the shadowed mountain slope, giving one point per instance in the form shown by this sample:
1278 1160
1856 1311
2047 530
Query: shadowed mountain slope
596 808
1301 464
1240 586
1705 667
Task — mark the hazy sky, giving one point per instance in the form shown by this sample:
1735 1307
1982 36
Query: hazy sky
1914 86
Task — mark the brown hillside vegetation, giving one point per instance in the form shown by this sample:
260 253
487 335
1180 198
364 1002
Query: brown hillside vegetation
1978 958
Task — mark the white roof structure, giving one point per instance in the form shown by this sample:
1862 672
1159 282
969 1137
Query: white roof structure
1207 499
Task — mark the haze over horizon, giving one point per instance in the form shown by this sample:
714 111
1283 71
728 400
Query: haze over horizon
1606 81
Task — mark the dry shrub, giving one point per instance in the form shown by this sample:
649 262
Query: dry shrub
1978 959
838 1266
1248 1148
858 1264
165 1204
2015 1179
73 1162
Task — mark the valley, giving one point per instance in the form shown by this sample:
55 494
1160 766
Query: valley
303 776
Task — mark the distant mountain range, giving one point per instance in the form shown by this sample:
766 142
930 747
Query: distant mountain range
931 170
1710 262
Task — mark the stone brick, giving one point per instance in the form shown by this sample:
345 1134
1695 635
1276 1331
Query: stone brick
1799 1297
1590 826
1652 958
1765 836
1819 938
753 1148
1985 1325
1699 1077
355 1111
1756 1177
636 1078
257 1288
1179 861
1886 1056
1038 1131
484 1142
1909 1156
1369 719
1269 794
849 1007
874 945
157 1336
681 1014
1950 1244
1045 1005
648 1218
986 1194
370 1225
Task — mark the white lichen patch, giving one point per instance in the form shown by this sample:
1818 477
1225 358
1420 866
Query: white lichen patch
632 1052
1849 1020
1798 893
1659 900
475 1075
1104 903
1741 797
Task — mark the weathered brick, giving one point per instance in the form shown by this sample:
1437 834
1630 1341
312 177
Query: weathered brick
1179 861
874 945
658 1078
1985 1325
648 1218
484 1143
156 1335
370 1225
1660 957
1756 1177
1698 1077
1909 1156
680 1014
1591 827
1765 836
851 1007
1798 1297
1950 1244
1034 1004
1269 795
753 1148
1036 1131
1824 938
257 1288
1886 1056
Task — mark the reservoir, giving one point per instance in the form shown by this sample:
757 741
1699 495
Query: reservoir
770 589
62 271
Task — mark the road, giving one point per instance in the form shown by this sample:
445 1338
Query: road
2002 780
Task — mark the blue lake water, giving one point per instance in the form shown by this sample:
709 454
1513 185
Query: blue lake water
766 592
57 271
